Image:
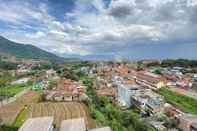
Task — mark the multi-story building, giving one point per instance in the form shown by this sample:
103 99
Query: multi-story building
146 100
150 80
123 95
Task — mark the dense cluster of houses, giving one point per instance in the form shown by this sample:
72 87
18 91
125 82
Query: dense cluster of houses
46 124
25 66
41 82
128 87
67 90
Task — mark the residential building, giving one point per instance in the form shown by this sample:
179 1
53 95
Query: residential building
107 92
124 95
51 75
150 80
146 100
40 85
67 90
188 122
123 92
171 111
154 105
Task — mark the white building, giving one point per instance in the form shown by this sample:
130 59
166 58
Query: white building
123 97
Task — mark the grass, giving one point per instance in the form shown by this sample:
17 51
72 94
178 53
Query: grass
184 103
8 128
20 118
11 90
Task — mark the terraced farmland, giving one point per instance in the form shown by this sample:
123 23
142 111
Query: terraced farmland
9 112
60 111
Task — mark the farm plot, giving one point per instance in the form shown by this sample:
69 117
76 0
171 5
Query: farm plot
9 112
61 111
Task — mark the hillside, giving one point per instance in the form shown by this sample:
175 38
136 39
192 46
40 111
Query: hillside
25 51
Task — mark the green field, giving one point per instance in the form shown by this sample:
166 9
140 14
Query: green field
184 103
11 90
20 118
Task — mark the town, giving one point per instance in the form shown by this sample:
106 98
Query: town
98 65
158 93
96 96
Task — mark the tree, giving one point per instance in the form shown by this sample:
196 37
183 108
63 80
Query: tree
52 84
157 72
8 65
139 65
171 123
1 120
3 82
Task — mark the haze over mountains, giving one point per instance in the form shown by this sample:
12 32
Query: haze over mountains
136 52
25 51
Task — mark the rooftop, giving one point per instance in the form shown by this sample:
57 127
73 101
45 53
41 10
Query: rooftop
189 117
37 124
102 129
73 125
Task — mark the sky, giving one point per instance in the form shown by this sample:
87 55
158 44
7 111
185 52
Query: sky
104 29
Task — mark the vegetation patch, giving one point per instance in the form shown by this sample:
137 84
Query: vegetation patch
20 118
185 103
8 128
11 90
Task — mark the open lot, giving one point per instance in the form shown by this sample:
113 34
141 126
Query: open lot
60 111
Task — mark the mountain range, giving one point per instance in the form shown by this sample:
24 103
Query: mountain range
25 51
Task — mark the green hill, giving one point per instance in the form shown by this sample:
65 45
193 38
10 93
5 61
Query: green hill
25 51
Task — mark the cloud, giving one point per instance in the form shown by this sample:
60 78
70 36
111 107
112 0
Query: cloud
93 27
37 35
121 8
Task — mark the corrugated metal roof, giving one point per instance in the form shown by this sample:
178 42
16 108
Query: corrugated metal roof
102 129
37 124
73 125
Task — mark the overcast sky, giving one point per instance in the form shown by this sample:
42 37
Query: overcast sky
103 29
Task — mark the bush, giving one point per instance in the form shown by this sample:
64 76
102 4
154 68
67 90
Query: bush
8 128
